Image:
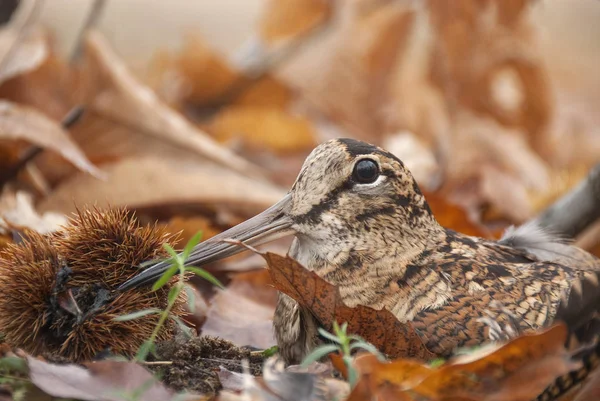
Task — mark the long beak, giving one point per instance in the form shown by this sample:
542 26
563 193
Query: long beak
267 226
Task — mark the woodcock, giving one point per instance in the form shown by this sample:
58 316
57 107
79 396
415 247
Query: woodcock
361 222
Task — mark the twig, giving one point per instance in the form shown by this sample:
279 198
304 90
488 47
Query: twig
576 211
90 22
72 117
21 34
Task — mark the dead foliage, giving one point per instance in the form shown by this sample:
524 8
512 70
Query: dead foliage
490 105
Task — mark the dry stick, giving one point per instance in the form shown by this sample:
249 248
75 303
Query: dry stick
72 117
90 22
576 211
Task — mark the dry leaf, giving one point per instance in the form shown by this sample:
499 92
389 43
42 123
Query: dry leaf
260 128
379 327
19 122
453 216
98 381
28 54
417 157
519 370
197 74
121 97
17 212
189 226
265 92
288 19
155 180
590 391
243 312
484 60
351 83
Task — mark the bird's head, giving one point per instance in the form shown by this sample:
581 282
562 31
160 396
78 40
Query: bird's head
350 198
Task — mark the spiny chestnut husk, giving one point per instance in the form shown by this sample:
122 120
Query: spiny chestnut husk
57 291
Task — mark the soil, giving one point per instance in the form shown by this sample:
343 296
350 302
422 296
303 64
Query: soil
196 361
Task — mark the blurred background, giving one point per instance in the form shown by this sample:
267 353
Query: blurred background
199 114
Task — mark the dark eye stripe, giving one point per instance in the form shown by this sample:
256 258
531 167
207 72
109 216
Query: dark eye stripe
328 202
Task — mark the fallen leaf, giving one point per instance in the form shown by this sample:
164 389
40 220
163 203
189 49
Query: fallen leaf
155 180
590 390
287 19
197 74
453 216
351 83
260 127
189 226
265 92
21 54
519 370
379 327
25 123
97 381
243 312
416 156
121 97
278 383
18 212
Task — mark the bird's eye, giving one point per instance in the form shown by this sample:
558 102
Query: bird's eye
365 171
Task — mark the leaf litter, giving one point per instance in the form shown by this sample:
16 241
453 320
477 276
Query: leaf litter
201 141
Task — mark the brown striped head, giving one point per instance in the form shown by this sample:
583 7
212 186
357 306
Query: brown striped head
350 202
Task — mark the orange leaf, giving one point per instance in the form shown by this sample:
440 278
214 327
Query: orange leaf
286 19
379 327
261 128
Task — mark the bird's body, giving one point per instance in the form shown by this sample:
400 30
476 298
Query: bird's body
362 224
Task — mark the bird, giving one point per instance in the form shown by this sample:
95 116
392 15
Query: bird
362 223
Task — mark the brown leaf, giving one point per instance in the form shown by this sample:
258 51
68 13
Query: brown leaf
590 391
197 74
23 56
265 92
170 178
351 84
516 371
453 216
121 97
287 19
17 211
243 313
98 381
25 123
260 127
379 327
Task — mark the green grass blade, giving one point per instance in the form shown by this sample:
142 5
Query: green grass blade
319 353
205 275
164 279
189 247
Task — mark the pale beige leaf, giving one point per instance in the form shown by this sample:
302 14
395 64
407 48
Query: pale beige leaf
23 56
19 122
100 381
17 210
122 97
171 178
243 313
